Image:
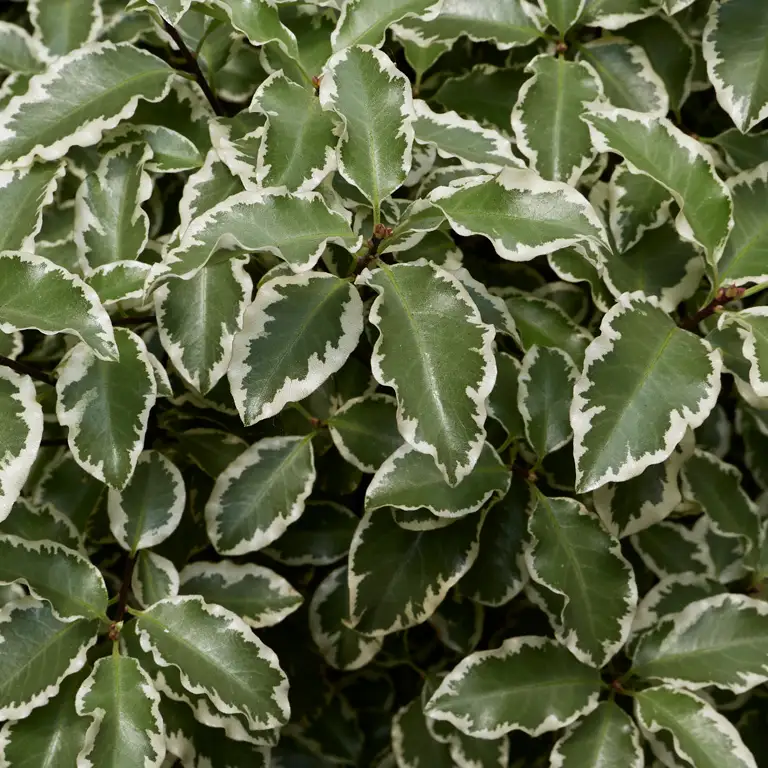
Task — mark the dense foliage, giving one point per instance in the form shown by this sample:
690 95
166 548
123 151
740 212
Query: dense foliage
383 383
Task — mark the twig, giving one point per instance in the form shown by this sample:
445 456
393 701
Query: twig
28 370
195 67
380 233
723 297
124 588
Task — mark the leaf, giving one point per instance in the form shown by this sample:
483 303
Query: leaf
546 120
24 192
171 10
502 402
562 14
364 430
87 92
105 407
68 581
734 51
592 586
19 51
615 14
366 21
21 430
374 156
125 712
65 25
260 494
296 228
752 325
35 293
256 594
198 319
110 224
455 136
39 651
670 548
654 147
413 744
744 258
147 510
544 392
606 737
218 656
398 578
522 215
343 648
424 314
742 150
629 80
118 281
529 684
298 331
298 145
40 523
620 424
154 578
716 641
680 721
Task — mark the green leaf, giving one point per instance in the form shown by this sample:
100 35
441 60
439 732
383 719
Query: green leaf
744 258
19 51
217 655
467 140
39 524
670 548
398 577
374 156
260 494
522 215
298 147
458 623
126 723
198 319
562 14
172 152
171 10
105 407
21 430
298 331
654 147
364 430
592 594
154 578
606 738
147 510
679 724
36 293
63 26
366 21
413 744
529 684
620 424
39 651
87 92
343 648
544 393
502 402
410 480
546 120
118 281
424 314
256 594
68 581
734 50
717 641
629 80
110 224
742 150
615 14
23 194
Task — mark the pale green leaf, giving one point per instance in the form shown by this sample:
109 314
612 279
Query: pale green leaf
530 684
298 331
105 407
154 578
256 594
118 281
170 10
546 120
620 423
172 152
126 724
420 54
398 577
63 26
562 14
217 655
36 293
19 51
412 742
86 93
428 323
734 50
374 156
260 494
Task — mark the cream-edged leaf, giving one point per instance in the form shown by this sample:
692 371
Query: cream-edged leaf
502 402
562 14
615 14
44 523
154 578
669 549
412 742
63 26
20 53
118 281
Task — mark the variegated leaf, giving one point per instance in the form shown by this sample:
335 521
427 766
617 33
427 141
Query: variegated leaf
20 53
412 742
63 26
154 578
119 281
562 14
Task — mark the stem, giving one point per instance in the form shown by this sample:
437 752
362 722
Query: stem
753 290
722 297
125 587
195 67
27 370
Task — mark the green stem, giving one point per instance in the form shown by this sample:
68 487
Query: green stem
753 290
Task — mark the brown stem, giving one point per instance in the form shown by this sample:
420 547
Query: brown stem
723 297
27 370
195 67
380 233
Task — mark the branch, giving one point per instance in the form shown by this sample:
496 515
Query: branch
195 67
380 233
723 297
27 370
